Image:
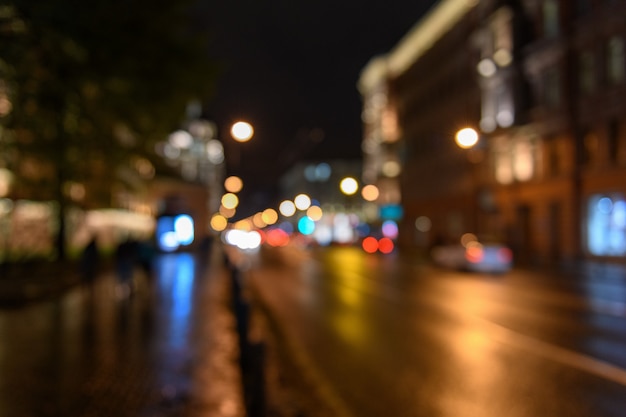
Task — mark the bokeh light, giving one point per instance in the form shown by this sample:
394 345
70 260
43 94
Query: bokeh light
306 226
302 201
233 184
243 239
391 169
230 201
181 139
277 237
244 224
215 151
370 192
270 216
314 213
218 222
242 131
287 208
466 138
370 244
423 224
390 229
183 226
349 186
227 212
468 238
258 221
385 245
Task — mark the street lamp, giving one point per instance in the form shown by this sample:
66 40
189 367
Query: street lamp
349 186
466 138
242 131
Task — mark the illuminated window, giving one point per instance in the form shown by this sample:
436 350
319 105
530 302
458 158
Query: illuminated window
606 225
523 161
586 72
514 161
615 60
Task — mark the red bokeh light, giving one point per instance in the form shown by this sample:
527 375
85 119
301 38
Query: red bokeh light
385 245
277 237
370 244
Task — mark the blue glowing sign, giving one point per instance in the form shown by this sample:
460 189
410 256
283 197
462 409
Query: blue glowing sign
391 212
174 231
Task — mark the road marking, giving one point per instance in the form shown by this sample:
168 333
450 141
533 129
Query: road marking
558 354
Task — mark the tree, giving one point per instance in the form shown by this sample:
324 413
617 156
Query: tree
93 84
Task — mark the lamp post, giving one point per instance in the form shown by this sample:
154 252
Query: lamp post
241 132
469 140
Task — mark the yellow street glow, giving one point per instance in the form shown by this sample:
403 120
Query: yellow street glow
270 216
258 221
218 222
227 212
314 213
233 184
370 192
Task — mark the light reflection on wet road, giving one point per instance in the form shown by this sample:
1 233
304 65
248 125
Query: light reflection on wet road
166 350
386 337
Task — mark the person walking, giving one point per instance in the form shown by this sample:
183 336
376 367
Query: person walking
125 259
89 262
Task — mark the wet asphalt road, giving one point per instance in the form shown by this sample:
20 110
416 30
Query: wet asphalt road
167 350
384 336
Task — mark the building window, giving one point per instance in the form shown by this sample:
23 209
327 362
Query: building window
615 60
586 72
523 160
554 158
550 18
514 160
613 139
552 88
606 225
591 144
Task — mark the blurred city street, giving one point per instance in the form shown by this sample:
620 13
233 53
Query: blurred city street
385 335
218 209
343 333
168 349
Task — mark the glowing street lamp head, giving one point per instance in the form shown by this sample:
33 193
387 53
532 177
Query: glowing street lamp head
466 138
349 186
242 131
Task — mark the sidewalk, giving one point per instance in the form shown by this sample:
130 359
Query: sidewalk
25 282
231 384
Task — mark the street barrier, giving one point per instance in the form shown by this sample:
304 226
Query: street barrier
251 354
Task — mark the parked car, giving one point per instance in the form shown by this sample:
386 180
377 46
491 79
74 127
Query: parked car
473 254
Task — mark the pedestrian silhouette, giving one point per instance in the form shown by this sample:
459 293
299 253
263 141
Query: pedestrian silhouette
89 261
125 259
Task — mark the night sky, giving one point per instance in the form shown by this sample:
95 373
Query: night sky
291 69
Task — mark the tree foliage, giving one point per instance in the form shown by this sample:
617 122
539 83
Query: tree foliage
93 83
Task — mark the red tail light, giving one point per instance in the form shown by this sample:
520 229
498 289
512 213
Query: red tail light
505 255
474 254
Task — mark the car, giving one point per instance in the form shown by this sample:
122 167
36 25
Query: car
475 255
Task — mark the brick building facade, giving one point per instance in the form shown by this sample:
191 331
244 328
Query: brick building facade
543 82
